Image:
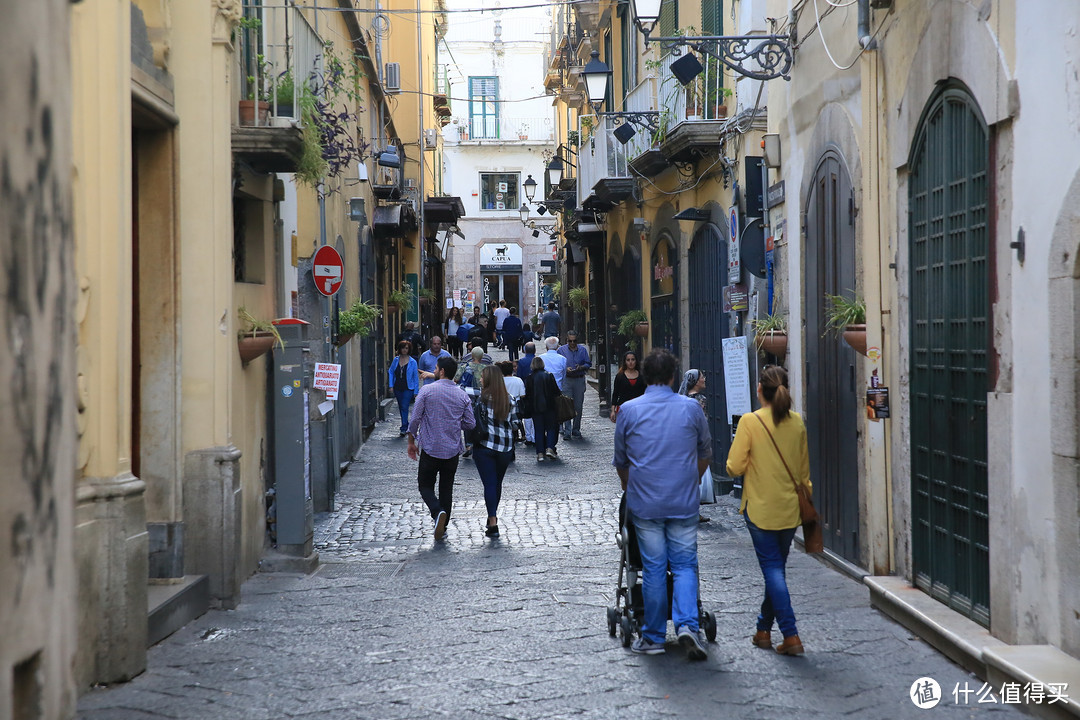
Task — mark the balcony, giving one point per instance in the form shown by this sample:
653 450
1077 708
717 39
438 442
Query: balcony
692 118
604 175
500 131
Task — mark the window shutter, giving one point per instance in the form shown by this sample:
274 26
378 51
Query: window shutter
669 17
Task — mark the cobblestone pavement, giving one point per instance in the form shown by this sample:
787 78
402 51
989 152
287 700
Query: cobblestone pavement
393 625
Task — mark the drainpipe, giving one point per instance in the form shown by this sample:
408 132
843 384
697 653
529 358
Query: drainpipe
866 39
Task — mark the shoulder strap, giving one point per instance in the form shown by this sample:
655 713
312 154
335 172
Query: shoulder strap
769 433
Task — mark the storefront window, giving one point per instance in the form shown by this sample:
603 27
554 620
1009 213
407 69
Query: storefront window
499 191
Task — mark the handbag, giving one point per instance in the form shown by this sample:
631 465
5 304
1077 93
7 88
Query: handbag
564 408
813 542
705 488
479 432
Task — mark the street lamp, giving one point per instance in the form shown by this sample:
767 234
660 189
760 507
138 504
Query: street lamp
555 171
524 211
530 188
389 158
646 13
596 74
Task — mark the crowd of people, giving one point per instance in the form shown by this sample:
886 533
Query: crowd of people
662 451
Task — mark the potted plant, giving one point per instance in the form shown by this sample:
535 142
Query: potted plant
400 299
357 320
771 334
284 93
633 323
255 336
847 318
523 131
573 138
426 295
578 298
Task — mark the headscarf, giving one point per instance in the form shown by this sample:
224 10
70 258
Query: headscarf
689 379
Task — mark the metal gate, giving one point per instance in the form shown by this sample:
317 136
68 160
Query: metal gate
832 402
947 220
708 259
369 405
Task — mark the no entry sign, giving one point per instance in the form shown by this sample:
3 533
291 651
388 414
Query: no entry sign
328 270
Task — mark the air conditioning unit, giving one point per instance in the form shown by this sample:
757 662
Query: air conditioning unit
392 78
431 139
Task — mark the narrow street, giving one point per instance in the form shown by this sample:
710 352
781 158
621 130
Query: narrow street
393 625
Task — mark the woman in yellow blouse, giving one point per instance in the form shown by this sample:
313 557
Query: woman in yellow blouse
769 502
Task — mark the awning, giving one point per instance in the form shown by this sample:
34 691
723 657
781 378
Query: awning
445 209
393 221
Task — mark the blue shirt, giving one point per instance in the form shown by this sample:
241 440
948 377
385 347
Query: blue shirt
576 357
659 437
552 320
511 327
555 364
524 366
428 362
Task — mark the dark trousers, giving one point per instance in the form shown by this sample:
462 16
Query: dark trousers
545 430
492 467
430 467
512 347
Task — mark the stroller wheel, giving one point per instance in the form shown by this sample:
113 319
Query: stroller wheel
710 626
626 631
612 621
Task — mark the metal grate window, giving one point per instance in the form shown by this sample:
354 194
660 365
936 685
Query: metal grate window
950 338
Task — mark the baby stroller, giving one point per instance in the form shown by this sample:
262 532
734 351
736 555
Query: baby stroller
628 614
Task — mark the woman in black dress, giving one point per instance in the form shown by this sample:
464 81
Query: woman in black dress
628 383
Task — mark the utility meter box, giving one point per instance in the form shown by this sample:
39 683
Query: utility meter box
290 384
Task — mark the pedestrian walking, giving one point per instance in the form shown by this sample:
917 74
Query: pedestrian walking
524 369
769 451
577 364
416 342
693 387
501 313
463 332
662 446
404 382
511 331
453 322
468 378
540 394
552 321
554 363
628 383
527 334
479 334
442 412
494 450
516 387
429 359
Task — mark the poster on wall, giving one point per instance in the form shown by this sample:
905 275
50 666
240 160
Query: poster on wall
736 375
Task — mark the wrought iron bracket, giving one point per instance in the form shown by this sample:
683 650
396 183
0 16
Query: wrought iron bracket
771 52
645 119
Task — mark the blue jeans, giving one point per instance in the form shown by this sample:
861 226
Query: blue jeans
492 467
546 430
404 399
668 543
772 548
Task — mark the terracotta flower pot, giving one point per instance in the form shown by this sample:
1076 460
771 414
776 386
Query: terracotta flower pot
641 329
773 342
855 336
252 346
247 112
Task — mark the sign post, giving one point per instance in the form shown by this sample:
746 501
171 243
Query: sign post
328 270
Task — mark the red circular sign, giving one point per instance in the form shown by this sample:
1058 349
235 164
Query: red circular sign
328 270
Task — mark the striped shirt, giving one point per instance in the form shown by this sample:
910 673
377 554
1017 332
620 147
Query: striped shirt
439 415
500 435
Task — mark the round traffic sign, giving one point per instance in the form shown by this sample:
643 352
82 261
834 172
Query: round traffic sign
328 270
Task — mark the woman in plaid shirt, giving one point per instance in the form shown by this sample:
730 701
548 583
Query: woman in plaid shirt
496 410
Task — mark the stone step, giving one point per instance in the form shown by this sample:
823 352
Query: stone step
174 605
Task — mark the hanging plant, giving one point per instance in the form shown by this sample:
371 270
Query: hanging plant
771 334
847 318
359 319
401 299
578 298
629 322
255 336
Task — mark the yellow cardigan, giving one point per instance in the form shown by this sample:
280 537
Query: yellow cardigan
767 487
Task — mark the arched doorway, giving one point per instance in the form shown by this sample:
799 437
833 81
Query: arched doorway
708 260
948 230
831 401
665 304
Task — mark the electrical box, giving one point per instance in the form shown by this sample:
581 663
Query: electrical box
431 139
392 77
290 384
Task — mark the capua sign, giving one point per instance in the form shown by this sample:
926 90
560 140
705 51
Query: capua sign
500 253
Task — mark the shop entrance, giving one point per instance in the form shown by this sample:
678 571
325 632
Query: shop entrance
501 287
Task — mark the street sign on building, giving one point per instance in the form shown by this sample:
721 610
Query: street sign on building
328 270
734 269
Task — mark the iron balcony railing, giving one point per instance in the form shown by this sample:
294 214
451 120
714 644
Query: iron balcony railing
510 129
278 51
600 155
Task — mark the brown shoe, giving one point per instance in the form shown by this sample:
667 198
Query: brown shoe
763 639
791 646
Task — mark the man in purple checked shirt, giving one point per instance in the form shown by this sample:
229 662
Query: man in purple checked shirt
441 411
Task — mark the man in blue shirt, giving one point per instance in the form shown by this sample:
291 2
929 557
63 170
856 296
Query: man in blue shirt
662 447
429 360
552 321
554 363
577 363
